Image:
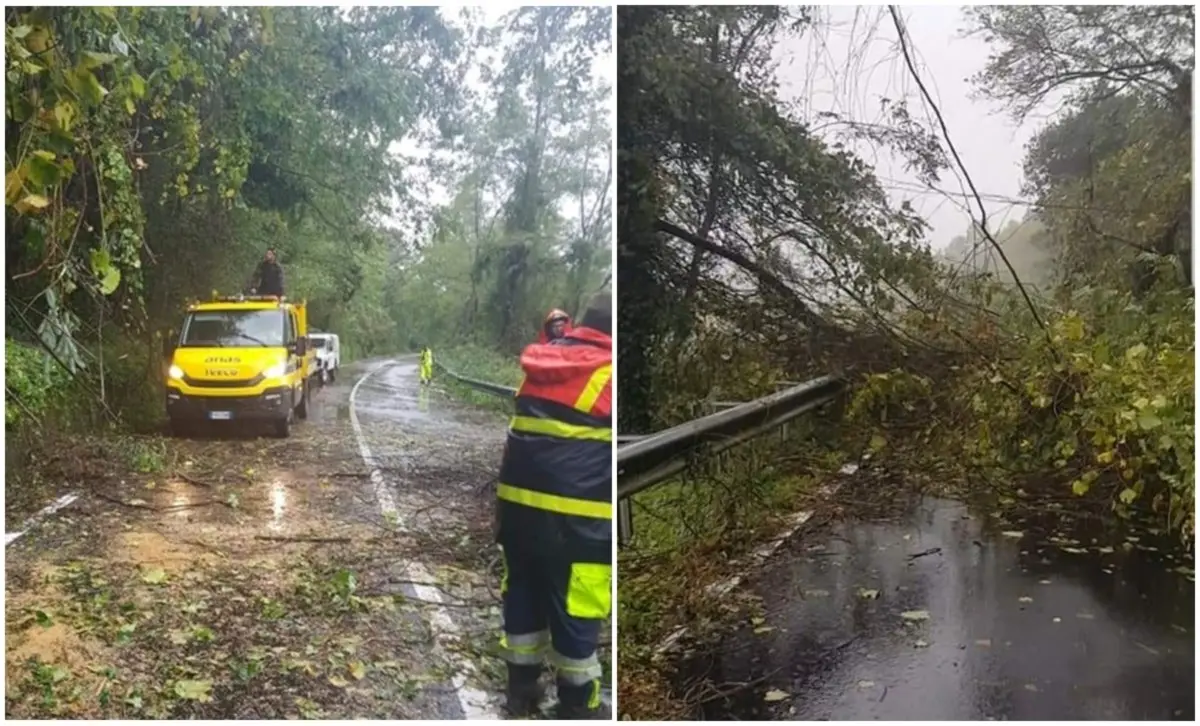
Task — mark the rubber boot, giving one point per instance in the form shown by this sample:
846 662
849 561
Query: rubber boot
581 702
525 690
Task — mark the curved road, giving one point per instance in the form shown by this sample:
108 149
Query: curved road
346 572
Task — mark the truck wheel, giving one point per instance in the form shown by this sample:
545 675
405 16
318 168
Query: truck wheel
324 377
302 409
180 429
332 375
282 427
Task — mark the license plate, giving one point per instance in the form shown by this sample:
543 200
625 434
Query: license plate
220 415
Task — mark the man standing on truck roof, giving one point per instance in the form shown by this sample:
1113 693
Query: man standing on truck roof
554 517
268 276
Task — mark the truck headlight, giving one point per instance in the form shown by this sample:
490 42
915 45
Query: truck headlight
175 372
275 371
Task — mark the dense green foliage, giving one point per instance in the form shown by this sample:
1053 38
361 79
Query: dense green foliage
154 153
482 364
1052 358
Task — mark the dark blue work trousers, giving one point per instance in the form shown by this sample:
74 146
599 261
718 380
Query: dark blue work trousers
535 601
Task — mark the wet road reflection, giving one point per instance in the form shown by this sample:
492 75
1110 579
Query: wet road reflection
940 617
278 505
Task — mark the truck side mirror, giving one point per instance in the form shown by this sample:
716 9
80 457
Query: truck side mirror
168 346
301 346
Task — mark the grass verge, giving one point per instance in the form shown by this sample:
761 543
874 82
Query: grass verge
694 532
483 364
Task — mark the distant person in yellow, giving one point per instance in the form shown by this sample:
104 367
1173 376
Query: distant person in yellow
426 365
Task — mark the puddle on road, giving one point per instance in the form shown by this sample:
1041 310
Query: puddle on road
948 616
278 505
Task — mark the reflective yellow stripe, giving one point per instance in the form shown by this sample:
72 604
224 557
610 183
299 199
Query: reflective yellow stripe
593 389
549 427
576 671
554 503
528 649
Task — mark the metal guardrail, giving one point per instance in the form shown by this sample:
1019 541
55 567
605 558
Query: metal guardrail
644 461
494 389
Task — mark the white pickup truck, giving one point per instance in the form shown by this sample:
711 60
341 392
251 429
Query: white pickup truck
328 352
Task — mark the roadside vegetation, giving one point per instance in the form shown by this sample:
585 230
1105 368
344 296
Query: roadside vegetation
481 364
1046 363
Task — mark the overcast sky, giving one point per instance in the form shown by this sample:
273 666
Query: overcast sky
435 193
853 60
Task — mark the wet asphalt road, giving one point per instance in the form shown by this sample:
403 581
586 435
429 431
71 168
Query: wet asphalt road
945 617
431 458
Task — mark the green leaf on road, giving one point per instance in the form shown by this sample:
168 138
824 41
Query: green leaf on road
194 690
154 575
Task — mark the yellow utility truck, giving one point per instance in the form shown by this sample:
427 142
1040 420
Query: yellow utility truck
240 359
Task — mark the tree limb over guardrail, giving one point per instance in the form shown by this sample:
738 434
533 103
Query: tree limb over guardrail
494 389
643 462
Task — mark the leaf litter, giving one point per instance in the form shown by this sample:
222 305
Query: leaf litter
191 617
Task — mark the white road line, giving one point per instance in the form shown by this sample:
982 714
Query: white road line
57 504
383 494
476 704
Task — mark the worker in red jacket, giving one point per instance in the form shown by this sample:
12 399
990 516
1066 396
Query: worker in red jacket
555 326
554 518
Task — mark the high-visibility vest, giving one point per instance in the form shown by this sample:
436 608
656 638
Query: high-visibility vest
555 488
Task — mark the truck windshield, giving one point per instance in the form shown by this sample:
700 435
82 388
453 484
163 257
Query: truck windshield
319 343
234 329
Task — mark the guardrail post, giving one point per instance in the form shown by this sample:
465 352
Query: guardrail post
779 386
624 521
